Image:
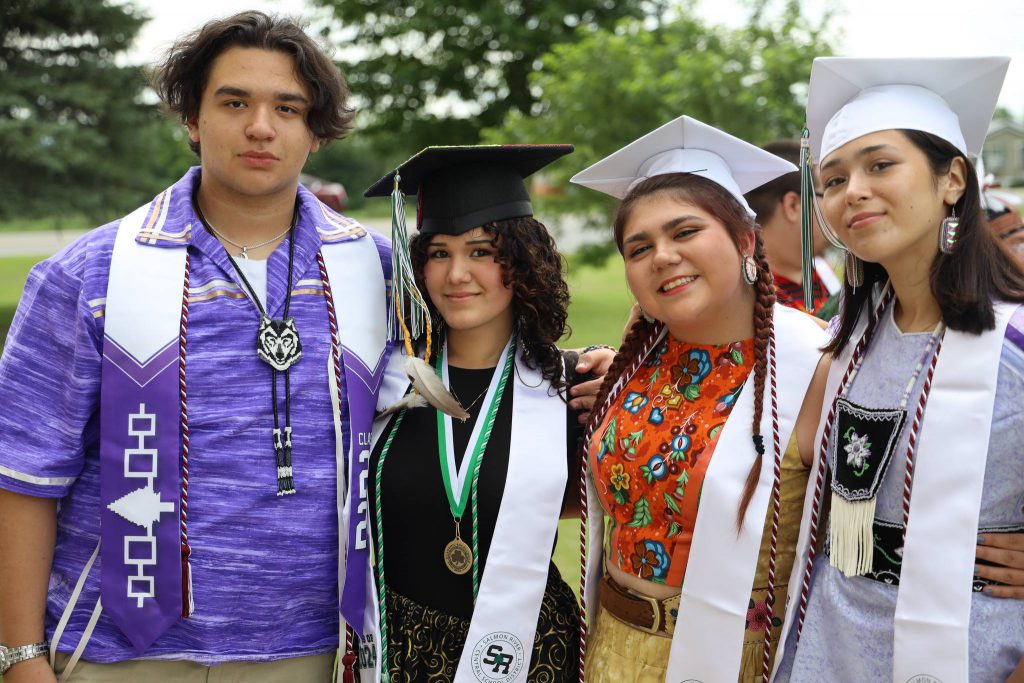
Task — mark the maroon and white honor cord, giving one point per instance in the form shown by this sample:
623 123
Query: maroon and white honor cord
613 394
186 551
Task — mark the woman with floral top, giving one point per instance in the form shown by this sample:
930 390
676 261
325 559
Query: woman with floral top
689 451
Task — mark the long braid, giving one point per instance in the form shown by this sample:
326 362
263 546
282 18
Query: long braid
763 303
632 351
638 334
763 331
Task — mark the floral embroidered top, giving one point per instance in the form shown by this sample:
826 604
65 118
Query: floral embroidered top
653 446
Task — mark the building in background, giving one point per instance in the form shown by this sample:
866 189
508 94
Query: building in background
1004 153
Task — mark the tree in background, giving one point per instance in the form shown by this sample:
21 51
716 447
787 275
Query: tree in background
75 136
1003 113
612 86
432 72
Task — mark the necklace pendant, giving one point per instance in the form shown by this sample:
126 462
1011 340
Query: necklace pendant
457 556
245 253
277 343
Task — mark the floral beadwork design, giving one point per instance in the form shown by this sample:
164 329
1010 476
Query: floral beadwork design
666 419
634 401
654 469
858 450
619 482
688 374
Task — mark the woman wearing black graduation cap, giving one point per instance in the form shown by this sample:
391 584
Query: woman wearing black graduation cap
465 512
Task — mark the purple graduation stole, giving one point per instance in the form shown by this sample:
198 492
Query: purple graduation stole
355 280
145 587
140 432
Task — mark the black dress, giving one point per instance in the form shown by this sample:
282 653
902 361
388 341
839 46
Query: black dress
428 607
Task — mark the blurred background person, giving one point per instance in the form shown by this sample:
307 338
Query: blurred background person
777 205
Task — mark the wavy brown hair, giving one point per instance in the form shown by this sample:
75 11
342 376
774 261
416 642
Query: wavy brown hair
716 200
182 76
532 267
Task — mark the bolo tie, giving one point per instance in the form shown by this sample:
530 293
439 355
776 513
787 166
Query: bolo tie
277 345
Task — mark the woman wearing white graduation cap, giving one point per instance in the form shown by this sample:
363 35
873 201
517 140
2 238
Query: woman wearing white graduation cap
689 448
922 430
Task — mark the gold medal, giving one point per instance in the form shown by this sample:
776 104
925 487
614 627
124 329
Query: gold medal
457 555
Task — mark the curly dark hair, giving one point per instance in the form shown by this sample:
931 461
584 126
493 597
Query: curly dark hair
182 76
533 268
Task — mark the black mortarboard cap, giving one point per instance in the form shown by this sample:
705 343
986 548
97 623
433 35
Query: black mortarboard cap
463 187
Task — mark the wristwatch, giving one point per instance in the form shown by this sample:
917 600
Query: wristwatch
9 656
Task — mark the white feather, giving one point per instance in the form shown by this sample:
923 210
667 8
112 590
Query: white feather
428 385
410 400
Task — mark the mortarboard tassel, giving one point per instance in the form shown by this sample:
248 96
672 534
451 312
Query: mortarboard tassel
410 306
408 301
806 225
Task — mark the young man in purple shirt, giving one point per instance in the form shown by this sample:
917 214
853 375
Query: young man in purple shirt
185 384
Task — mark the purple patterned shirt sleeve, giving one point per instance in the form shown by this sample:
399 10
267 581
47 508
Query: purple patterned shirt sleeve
50 369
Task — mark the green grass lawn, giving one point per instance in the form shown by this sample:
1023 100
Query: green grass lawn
13 272
51 223
600 305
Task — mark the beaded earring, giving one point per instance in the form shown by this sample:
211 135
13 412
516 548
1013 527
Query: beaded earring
749 269
948 233
854 270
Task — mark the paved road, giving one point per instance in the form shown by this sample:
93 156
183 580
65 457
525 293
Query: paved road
569 234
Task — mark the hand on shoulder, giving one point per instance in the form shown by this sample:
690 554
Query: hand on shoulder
1006 551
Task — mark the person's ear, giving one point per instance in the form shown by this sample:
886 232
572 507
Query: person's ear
193 129
956 181
790 206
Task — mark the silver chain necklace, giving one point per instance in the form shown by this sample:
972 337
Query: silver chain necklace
245 249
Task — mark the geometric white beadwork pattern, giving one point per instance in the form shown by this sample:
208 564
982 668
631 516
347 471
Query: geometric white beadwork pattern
142 506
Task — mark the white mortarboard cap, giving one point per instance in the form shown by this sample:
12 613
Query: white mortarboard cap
953 98
685 145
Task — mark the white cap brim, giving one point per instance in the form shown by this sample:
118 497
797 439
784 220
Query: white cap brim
952 98
686 145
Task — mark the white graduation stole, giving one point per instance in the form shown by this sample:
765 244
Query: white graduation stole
499 643
933 607
500 639
708 642
934 599
803 544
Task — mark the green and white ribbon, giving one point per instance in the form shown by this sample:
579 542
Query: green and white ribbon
454 476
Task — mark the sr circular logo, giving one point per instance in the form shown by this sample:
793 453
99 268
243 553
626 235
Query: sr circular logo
498 658
923 678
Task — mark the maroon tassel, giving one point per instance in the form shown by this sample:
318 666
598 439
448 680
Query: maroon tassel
348 668
186 596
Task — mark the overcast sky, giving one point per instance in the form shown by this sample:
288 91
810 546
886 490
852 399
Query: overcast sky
869 28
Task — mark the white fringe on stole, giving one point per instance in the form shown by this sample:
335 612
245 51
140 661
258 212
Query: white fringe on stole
850 536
